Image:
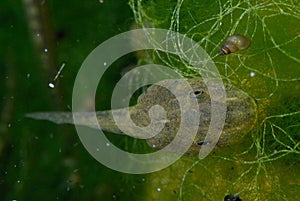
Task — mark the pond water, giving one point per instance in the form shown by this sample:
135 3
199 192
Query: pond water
43 46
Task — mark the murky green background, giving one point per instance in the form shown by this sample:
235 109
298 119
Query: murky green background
40 160
43 161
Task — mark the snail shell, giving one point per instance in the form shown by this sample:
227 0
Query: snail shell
234 43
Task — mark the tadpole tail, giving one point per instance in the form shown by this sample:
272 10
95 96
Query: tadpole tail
55 117
104 121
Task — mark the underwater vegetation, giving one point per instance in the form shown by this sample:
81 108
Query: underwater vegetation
265 164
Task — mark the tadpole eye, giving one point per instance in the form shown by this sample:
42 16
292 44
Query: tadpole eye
197 94
202 142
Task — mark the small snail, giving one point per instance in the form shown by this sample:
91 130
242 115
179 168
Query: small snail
234 43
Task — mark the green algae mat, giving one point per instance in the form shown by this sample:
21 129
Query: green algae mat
265 164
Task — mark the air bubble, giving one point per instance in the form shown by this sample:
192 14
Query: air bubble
252 74
51 85
105 63
158 189
107 144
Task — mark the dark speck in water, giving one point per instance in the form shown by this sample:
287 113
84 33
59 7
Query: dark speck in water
232 198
